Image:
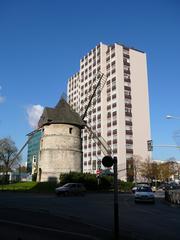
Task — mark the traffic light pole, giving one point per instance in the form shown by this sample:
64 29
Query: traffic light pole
116 207
108 161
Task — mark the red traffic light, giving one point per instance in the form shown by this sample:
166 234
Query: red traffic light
107 161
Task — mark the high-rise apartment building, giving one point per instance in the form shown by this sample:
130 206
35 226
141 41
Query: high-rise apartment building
120 112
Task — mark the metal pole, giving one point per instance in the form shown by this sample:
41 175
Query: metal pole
90 100
116 208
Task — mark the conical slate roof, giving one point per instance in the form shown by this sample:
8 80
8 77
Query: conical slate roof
62 113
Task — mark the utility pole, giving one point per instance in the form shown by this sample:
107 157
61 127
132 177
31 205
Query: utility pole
108 161
116 207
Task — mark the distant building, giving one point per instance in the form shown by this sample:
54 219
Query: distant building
33 150
120 113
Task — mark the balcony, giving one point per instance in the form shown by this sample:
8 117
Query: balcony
127 96
127 80
129 150
125 48
128 123
129 141
128 114
129 159
126 63
129 132
127 88
126 71
125 55
128 105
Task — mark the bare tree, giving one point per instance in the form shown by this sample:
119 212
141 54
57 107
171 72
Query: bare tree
150 170
8 156
167 169
133 168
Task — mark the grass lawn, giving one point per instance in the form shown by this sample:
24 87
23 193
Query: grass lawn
42 187
21 186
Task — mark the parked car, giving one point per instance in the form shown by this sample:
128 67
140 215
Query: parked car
139 185
169 186
144 194
71 189
153 188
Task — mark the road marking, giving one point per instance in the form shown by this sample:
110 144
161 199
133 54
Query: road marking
48 229
80 220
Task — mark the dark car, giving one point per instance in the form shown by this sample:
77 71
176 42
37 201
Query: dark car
71 189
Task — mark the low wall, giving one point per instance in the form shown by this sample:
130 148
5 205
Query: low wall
173 196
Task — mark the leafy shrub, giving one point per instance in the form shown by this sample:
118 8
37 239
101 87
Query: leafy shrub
106 182
89 180
125 186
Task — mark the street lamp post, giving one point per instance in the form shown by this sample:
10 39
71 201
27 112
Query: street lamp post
173 117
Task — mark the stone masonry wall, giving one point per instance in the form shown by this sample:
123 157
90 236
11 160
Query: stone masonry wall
60 151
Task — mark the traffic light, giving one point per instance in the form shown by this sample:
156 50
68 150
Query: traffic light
150 145
107 161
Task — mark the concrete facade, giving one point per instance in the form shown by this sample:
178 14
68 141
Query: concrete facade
120 113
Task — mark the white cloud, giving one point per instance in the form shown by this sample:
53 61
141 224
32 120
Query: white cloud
2 99
34 113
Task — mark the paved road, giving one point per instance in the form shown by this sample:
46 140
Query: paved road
91 215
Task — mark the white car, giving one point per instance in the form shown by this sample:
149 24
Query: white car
144 194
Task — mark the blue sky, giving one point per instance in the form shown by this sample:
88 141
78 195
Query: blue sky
42 41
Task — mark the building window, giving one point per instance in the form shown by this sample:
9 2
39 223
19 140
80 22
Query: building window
114 123
108 99
113 71
70 130
108 114
98 152
115 150
108 107
99 116
109 133
113 79
99 108
109 124
114 105
112 55
113 96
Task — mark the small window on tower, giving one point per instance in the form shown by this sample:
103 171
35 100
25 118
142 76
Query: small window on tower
70 130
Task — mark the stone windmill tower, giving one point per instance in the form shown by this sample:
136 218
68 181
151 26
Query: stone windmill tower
60 147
